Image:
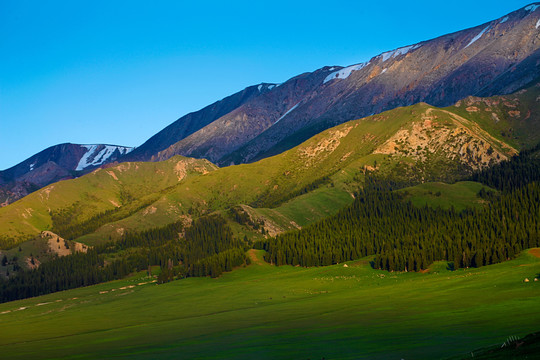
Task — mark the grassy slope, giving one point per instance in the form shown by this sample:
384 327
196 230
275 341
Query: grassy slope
514 119
101 190
268 312
277 177
459 195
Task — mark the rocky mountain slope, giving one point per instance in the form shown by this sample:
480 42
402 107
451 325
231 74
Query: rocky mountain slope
195 121
417 143
497 57
59 162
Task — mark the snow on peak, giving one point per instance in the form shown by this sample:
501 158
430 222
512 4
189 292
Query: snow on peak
288 111
93 157
538 24
32 166
532 8
263 86
400 51
505 19
477 36
343 73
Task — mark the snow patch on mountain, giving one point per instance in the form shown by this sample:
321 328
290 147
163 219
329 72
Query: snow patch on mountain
288 111
344 73
538 24
267 86
505 19
93 157
474 39
532 8
401 51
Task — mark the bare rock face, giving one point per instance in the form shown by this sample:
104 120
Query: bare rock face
195 121
247 121
498 57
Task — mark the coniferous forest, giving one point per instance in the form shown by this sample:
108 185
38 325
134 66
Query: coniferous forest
207 249
407 238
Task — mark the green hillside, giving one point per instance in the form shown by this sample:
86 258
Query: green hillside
514 119
269 312
120 189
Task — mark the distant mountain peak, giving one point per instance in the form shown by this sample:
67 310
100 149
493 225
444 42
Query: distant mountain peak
58 162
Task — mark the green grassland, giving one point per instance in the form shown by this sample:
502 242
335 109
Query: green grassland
268 312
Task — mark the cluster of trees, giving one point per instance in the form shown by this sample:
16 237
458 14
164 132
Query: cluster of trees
509 175
67 225
207 248
80 269
242 217
406 238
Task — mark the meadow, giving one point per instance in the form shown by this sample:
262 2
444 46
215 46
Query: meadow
267 312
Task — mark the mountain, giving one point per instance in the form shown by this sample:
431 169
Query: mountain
498 57
411 144
58 162
195 121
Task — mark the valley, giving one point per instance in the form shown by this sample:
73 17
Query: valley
386 209
270 312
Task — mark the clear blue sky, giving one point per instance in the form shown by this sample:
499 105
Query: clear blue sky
117 72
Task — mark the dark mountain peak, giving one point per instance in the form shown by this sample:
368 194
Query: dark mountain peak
58 162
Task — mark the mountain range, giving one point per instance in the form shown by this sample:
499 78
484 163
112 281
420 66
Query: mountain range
495 58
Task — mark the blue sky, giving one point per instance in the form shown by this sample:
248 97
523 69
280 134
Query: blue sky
117 72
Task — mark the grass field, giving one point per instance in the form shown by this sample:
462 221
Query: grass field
436 194
267 312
